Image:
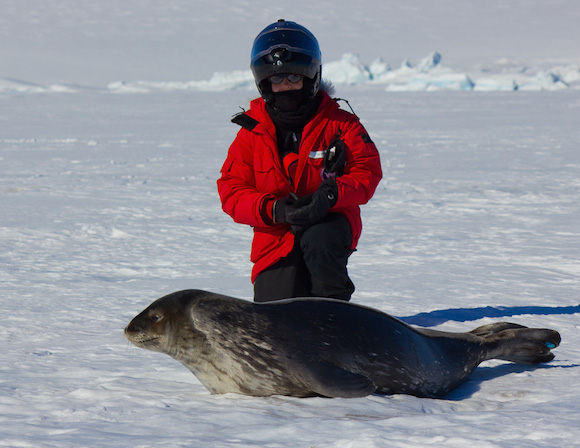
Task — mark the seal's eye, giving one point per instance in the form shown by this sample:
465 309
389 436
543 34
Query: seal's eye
155 318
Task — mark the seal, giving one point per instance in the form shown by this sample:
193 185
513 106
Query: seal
322 347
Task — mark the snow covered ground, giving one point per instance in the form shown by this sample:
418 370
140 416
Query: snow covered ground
108 202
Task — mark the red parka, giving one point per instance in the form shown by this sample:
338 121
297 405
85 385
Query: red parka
253 176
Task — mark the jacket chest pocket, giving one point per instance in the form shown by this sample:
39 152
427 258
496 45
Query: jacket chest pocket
311 176
316 158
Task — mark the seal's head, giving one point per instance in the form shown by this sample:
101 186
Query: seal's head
154 328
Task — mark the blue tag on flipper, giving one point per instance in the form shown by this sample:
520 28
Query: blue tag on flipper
549 345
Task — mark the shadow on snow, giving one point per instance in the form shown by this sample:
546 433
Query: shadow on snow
438 317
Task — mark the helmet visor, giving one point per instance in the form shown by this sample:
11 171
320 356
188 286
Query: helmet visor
297 63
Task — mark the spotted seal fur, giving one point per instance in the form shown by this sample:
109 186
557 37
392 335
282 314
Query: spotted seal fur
322 347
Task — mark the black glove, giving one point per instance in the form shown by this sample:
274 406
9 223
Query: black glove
310 209
280 209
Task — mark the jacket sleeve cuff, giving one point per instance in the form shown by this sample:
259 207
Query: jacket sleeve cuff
266 210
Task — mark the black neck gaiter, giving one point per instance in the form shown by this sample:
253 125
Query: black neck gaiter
292 109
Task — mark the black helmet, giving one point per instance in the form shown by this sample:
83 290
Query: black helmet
286 47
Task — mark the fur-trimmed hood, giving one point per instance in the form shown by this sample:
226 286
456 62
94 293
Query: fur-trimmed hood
327 86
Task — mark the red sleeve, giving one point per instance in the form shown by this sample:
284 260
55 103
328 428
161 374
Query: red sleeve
237 187
363 170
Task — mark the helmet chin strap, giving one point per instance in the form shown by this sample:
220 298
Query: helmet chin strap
311 86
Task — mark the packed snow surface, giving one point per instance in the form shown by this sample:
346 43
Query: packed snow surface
112 136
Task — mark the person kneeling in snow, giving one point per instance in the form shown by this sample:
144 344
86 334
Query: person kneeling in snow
297 172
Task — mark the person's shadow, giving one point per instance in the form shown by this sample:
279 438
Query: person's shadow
481 374
439 317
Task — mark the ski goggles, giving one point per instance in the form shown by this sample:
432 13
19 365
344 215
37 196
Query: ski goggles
292 78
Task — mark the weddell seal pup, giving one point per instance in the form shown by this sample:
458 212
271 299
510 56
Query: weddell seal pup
322 347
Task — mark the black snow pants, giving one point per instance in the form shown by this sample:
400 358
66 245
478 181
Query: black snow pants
316 267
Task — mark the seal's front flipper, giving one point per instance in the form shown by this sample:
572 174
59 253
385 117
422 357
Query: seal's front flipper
331 381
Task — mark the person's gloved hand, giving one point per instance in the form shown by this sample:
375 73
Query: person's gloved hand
280 210
310 209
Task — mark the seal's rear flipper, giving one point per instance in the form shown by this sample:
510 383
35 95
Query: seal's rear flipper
525 345
334 382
